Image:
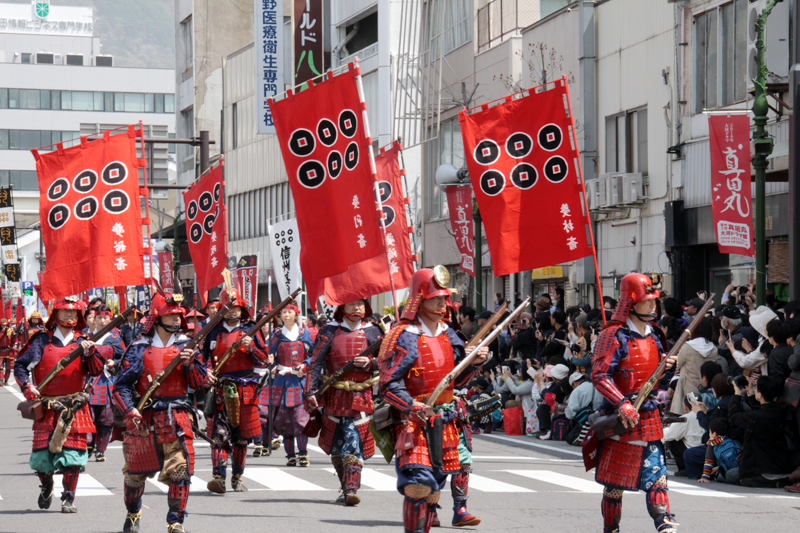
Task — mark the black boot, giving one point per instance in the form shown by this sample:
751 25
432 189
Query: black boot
46 493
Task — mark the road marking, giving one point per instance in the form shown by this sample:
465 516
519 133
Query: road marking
13 390
571 482
197 485
524 458
695 490
486 484
535 444
200 444
317 449
87 486
276 479
374 479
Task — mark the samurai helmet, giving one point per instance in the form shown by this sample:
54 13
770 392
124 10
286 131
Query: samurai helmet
634 288
68 302
426 283
164 304
235 297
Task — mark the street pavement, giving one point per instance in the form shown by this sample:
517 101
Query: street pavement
519 484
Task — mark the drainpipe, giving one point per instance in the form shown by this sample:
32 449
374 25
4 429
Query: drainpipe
343 44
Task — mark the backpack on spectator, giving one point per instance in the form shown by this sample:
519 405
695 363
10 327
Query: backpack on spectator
790 397
560 428
727 454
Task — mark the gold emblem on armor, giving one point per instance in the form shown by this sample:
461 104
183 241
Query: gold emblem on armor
442 276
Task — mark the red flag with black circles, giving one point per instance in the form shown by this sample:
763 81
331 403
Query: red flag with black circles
326 147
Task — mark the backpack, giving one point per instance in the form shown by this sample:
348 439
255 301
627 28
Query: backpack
727 454
560 428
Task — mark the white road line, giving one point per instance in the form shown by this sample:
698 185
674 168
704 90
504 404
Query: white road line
87 486
486 484
571 482
197 444
13 390
534 444
696 490
374 479
524 458
198 485
276 479
317 449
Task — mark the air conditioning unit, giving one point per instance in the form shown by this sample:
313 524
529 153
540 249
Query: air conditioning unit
777 39
614 189
104 61
602 190
593 193
632 188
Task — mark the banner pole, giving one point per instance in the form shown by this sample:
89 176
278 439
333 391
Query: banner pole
147 202
585 203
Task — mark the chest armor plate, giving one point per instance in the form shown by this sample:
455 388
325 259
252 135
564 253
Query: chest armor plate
156 360
636 369
346 346
70 380
434 362
239 360
291 353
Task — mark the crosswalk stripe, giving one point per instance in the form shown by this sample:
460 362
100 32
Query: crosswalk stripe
528 441
277 479
486 484
695 490
87 486
317 449
13 390
374 479
197 485
548 476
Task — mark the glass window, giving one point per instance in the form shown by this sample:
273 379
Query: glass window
149 103
740 54
66 99
4 177
55 99
159 103
55 137
98 101
44 139
108 104
3 98
28 181
82 101
169 103
27 58
119 101
13 139
134 102
29 139
3 139
33 98
44 101
171 148
13 98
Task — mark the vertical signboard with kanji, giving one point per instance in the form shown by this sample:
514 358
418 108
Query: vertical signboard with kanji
284 244
459 203
308 42
269 59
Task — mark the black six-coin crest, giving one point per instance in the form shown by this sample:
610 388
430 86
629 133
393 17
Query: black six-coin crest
326 131
206 201
351 156
85 181
303 142
86 208
487 152
114 202
311 174
196 232
492 182
348 123
58 189
191 210
114 173
550 137
58 216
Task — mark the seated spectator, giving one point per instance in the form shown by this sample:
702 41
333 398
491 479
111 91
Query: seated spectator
722 454
691 357
554 396
765 459
522 386
681 436
583 396
708 371
673 308
672 330
466 317
578 356
755 358
723 392
778 361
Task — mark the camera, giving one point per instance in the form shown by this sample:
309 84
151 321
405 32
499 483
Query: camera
740 381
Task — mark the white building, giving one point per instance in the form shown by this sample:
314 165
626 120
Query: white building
55 85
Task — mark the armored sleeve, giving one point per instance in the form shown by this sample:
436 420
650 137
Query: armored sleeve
33 354
607 355
123 391
316 363
195 372
396 359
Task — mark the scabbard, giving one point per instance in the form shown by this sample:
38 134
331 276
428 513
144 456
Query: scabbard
434 430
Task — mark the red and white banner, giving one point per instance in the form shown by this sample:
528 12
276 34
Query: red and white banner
370 277
244 277
326 147
90 215
459 203
207 230
166 274
523 163
731 190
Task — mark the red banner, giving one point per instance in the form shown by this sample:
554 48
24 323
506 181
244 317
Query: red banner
207 230
90 215
731 191
326 148
165 271
371 277
244 277
459 203
523 163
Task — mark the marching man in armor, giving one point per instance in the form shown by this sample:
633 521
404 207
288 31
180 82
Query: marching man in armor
347 405
59 437
414 358
626 355
160 438
236 420
7 350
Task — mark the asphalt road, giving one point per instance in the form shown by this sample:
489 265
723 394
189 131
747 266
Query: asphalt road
519 484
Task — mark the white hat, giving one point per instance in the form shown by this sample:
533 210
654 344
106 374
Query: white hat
559 372
760 318
575 377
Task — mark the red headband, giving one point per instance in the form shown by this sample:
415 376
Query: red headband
293 307
105 313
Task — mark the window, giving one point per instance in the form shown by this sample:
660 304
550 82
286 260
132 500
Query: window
626 142
86 101
134 102
104 61
169 103
3 139
21 180
44 100
235 124
55 99
27 58
99 101
186 43
44 58
449 25
149 103
13 98
159 101
720 56
82 101
366 35
74 59
108 101
448 148
171 148
29 99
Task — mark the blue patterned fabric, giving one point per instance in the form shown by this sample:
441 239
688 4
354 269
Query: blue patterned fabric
653 464
346 439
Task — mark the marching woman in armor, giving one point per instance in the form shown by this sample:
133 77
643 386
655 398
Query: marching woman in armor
415 356
290 345
347 404
160 438
59 438
111 349
236 419
627 352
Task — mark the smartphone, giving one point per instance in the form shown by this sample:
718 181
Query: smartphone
506 369
729 335
693 398
386 320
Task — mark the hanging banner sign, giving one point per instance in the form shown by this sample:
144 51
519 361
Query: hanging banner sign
244 277
459 203
731 189
269 59
309 59
284 244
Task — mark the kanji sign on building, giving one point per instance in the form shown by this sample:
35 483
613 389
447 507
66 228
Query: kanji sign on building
284 244
270 64
731 189
459 203
309 60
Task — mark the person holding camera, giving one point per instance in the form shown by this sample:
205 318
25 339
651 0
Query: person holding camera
524 337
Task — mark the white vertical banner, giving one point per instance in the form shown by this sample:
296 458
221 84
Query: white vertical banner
284 245
269 59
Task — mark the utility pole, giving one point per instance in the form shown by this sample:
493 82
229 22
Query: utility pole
794 166
476 216
763 148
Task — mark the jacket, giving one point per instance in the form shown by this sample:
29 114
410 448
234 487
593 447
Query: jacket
689 432
765 450
778 361
690 358
582 397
